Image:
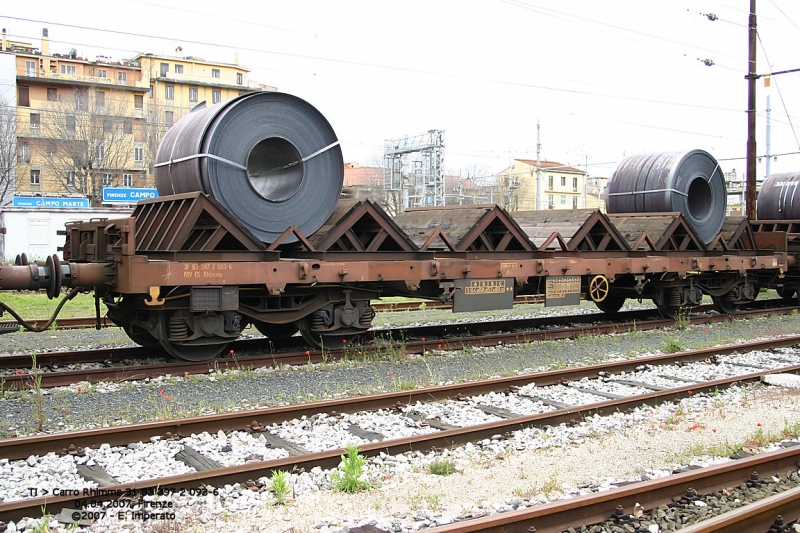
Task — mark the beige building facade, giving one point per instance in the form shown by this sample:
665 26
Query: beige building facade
561 186
86 124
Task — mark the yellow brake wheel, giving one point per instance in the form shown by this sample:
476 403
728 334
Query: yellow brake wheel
599 288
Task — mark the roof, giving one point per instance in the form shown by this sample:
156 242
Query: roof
551 165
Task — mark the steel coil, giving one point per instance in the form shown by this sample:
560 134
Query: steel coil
271 159
779 198
689 182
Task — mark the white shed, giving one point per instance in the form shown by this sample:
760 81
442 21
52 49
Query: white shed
34 231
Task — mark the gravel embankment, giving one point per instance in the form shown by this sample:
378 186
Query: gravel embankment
490 478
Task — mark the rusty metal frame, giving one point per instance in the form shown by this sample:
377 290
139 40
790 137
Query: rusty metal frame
360 226
191 222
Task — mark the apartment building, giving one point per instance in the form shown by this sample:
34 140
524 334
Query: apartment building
86 124
560 186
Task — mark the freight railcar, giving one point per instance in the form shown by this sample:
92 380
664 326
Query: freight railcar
250 229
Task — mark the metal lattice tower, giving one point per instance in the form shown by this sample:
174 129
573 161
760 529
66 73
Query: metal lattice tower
415 166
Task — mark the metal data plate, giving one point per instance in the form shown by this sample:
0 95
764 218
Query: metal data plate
483 294
562 290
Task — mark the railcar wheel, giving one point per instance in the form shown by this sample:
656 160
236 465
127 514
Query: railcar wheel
276 332
319 340
664 309
723 305
193 352
141 337
786 293
611 304
178 339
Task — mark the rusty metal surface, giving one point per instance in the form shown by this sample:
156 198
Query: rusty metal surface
666 231
463 228
582 229
360 225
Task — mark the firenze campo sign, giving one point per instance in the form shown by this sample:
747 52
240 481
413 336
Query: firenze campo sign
47 202
123 195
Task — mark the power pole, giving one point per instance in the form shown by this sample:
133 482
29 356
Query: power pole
750 185
538 170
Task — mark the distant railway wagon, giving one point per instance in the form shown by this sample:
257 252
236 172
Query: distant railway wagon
249 228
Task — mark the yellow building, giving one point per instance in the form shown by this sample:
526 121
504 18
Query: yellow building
561 186
83 124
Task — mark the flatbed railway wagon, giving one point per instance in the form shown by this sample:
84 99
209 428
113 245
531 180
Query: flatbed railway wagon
250 229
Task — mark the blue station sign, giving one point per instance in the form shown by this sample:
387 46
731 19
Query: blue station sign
127 195
50 202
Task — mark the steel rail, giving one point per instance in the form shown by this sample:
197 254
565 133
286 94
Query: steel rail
756 517
596 508
21 447
438 337
85 322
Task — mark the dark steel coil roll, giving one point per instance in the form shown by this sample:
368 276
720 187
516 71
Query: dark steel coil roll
689 182
779 198
271 159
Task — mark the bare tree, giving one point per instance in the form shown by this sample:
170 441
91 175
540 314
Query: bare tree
8 150
82 138
160 119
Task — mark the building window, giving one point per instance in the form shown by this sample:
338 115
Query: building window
550 183
138 154
24 155
100 98
79 97
150 92
563 199
108 180
549 201
30 68
70 123
215 73
169 118
52 94
574 202
36 177
127 180
138 101
127 127
23 96
36 121
107 126
101 152
178 69
574 184
102 73
122 78
164 69
51 149
563 181
67 69
216 96
169 92
71 178
239 78
192 94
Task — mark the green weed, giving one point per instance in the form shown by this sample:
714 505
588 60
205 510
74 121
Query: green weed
281 487
348 477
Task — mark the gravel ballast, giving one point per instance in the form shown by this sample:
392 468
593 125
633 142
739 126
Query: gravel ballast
490 477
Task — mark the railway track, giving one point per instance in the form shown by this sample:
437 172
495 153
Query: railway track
431 432
84 322
128 364
616 508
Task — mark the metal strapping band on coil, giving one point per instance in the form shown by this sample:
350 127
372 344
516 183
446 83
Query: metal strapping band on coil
676 191
195 156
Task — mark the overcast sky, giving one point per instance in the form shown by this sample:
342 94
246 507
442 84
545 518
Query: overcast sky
604 79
